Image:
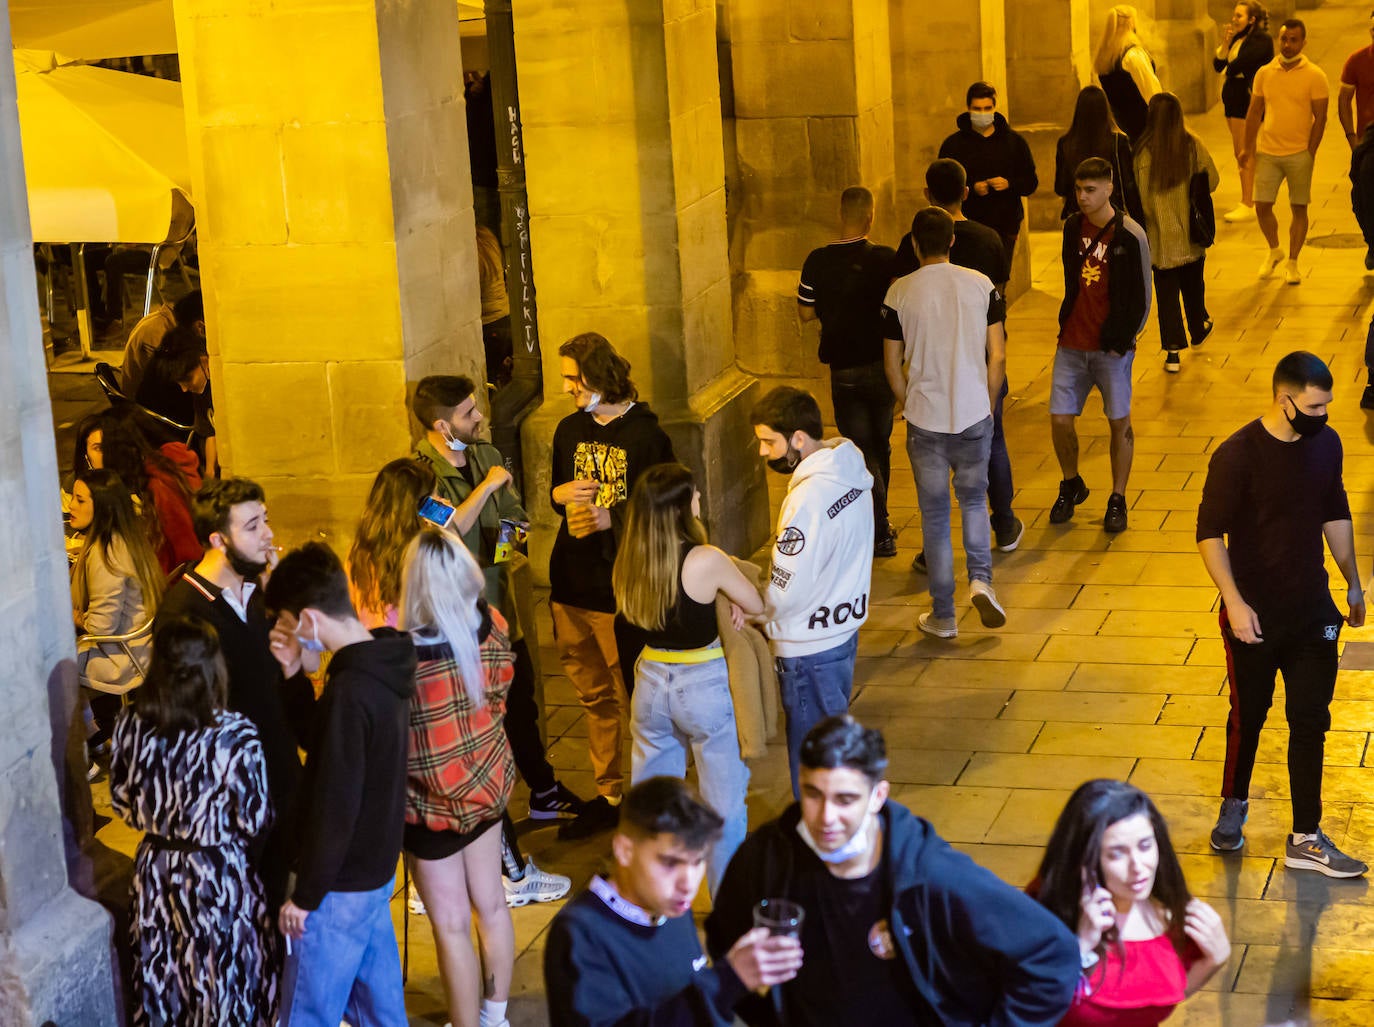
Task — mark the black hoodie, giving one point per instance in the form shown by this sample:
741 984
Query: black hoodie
1004 154
615 455
353 799
979 951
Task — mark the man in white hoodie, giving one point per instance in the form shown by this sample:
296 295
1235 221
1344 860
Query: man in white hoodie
817 595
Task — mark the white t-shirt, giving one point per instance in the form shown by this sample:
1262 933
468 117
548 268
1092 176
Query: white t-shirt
941 312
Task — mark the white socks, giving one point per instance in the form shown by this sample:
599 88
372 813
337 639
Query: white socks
493 1014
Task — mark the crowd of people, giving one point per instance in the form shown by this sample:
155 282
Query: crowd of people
404 673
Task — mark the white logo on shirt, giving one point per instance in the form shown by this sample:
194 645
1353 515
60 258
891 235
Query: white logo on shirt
1331 632
698 964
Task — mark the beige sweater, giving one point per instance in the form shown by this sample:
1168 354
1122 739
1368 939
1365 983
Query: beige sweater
109 601
753 679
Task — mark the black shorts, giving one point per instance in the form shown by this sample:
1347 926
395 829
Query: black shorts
1235 97
427 844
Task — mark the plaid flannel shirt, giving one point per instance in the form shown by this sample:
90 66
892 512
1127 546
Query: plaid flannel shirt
459 771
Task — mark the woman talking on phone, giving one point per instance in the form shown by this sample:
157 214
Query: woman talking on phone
666 578
1111 875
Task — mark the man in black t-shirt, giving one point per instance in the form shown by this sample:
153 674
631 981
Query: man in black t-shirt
980 248
843 285
1273 492
899 929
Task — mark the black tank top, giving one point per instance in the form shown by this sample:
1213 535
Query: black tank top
1128 106
689 624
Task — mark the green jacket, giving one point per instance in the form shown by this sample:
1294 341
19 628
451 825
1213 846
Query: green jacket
481 537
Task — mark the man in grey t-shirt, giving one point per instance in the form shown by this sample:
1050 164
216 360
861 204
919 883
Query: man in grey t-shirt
945 358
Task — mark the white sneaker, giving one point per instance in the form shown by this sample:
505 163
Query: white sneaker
985 602
536 886
414 903
1291 274
1270 263
1240 212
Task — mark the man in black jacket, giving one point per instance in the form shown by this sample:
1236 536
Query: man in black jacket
998 163
230 518
345 963
899 929
1106 303
626 950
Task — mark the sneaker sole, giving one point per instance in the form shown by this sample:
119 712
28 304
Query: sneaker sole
938 633
1010 547
989 613
524 900
1173 368
1298 863
1224 848
544 814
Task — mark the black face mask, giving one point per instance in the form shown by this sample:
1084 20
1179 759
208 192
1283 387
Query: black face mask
1305 424
248 570
787 463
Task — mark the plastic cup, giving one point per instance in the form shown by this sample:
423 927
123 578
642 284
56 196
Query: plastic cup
780 917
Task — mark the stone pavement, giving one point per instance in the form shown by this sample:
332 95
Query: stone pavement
1110 663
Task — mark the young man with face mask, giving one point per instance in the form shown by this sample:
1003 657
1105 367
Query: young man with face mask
626 949
998 162
899 929
599 452
817 595
224 588
342 960
1273 493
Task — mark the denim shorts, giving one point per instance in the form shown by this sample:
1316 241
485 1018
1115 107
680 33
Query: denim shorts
1271 170
1077 371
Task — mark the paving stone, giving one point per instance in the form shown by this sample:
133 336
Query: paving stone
1038 770
959 814
1089 707
1039 676
1091 740
1102 649
1124 677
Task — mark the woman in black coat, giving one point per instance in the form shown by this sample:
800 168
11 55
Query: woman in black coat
1246 48
1093 133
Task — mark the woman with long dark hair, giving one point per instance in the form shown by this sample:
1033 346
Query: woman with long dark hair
192 776
1125 70
1111 875
162 480
460 772
1093 133
1246 47
1167 156
666 579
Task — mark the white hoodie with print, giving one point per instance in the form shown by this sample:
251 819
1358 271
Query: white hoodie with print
818 587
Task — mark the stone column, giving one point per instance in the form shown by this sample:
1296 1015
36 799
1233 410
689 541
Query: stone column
1183 37
625 168
1049 59
55 955
813 115
336 234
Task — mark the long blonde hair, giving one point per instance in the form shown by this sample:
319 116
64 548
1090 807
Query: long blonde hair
1118 36
440 587
658 520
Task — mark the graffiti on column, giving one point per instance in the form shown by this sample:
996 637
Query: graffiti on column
521 234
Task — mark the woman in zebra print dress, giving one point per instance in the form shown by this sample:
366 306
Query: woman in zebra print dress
191 775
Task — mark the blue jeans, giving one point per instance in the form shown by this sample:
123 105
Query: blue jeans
814 687
347 966
863 415
933 456
677 705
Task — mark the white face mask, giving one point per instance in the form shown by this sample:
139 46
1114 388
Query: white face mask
593 403
852 849
981 119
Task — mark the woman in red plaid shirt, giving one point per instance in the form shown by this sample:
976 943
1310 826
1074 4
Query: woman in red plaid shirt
459 773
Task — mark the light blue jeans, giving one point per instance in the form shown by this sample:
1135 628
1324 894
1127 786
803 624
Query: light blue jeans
933 456
814 687
681 705
347 966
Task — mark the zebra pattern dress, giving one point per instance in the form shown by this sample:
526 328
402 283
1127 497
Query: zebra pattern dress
204 945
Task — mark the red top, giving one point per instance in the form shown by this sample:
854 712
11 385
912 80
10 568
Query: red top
1359 72
1154 980
173 511
1083 329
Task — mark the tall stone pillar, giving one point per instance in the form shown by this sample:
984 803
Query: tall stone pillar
1186 39
1049 59
336 233
812 86
626 177
55 956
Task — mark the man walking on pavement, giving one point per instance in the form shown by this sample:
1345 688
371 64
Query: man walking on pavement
1274 491
843 285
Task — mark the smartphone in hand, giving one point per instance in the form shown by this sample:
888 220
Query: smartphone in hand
437 511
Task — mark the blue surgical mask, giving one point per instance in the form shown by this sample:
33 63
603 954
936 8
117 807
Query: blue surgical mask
311 645
593 403
454 443
851 849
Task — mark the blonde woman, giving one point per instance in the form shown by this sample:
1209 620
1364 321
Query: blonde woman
666 579
1125 71
459 773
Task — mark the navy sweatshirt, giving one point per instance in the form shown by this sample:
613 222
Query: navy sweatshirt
601 970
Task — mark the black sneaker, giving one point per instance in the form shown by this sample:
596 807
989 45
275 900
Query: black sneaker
1071 493
556 804
597 815
1115 520
887 547
1227 836
1171 364
1367 398
1010 539
1202 333
1321 855
919 564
